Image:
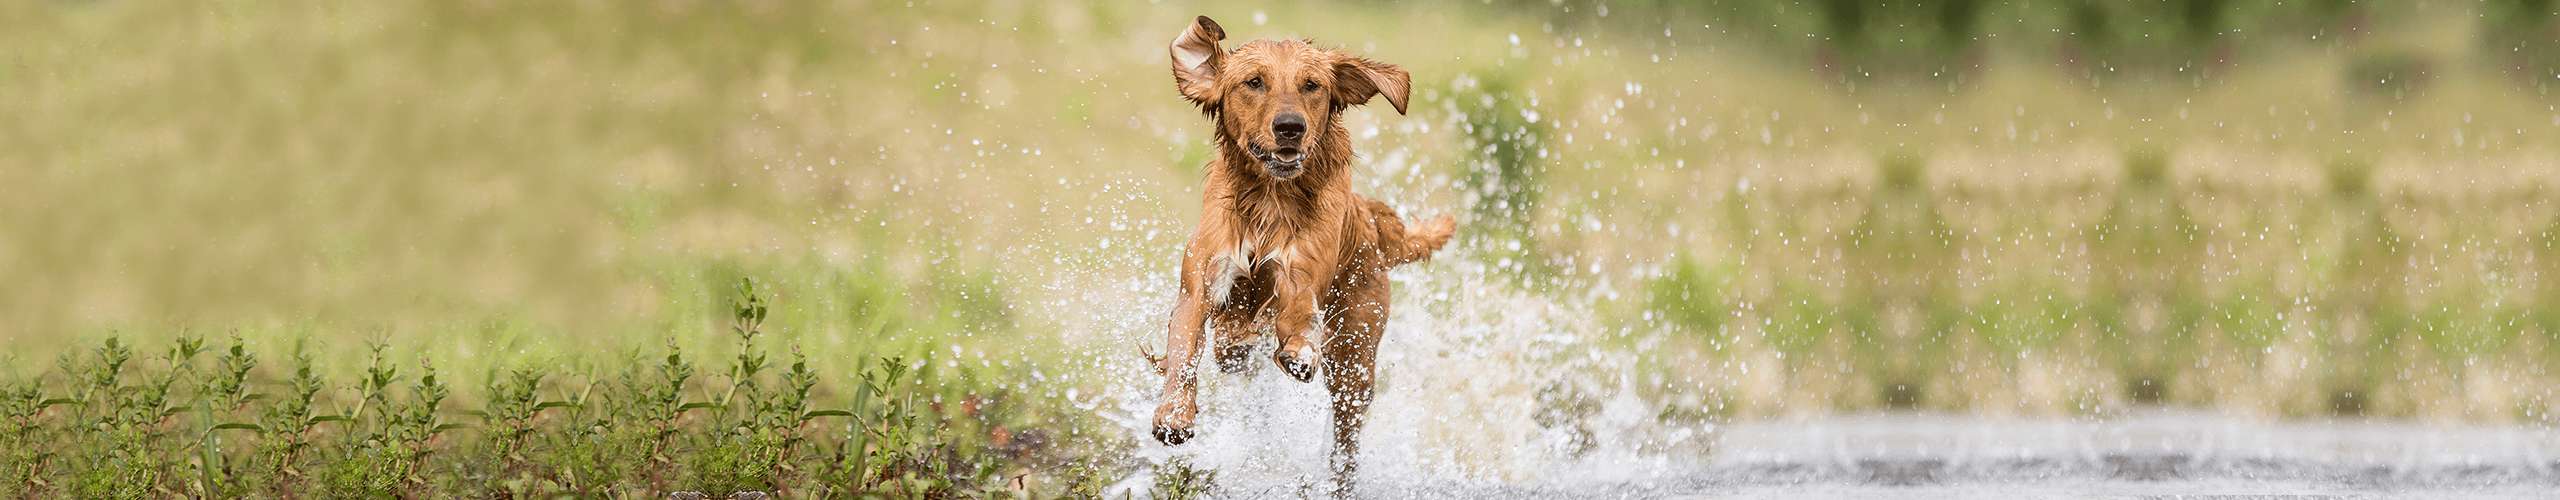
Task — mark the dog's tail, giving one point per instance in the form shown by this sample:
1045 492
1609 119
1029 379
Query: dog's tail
1403 246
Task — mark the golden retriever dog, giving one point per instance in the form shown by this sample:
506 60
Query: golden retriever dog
1282 241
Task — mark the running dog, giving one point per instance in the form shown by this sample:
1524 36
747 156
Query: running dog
1282 241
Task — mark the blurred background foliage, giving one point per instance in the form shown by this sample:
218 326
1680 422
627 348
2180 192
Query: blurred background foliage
2050 207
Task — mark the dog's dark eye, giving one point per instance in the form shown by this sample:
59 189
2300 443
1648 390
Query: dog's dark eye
1310 86
1255 83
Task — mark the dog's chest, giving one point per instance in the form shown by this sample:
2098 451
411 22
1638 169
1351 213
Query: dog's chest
1244 271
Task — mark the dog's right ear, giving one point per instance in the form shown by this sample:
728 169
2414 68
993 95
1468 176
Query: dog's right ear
1195 61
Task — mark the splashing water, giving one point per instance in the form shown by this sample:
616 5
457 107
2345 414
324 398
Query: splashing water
1460 372
1470 366
1462 369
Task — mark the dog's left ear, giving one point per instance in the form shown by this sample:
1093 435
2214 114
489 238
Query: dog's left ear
1358 79
1196 59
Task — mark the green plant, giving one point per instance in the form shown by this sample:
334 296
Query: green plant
176 424
1178 479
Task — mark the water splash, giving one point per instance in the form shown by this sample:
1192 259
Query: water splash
1480 383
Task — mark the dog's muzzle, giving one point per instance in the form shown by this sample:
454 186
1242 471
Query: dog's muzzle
1284 163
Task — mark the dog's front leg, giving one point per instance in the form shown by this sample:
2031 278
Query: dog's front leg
1294 295
1175 414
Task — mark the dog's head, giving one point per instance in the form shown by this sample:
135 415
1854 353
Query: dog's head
1276 101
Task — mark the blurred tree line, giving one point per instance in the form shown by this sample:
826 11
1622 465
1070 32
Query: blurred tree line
1950 40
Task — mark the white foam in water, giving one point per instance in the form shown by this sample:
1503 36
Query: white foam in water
1460 372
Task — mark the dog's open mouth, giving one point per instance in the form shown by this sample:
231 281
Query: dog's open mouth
1284 162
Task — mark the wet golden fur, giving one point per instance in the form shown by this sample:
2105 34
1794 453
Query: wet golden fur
1280 247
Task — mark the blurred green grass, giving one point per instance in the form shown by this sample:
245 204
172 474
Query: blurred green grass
508 182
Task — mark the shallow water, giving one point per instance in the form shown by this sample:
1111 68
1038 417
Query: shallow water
1939 456
2155 453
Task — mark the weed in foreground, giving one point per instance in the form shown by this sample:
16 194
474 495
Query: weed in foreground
116 423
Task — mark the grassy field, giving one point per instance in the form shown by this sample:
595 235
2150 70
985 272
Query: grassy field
495 248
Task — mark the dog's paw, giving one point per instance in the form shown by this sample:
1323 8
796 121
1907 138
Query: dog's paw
1173 423
1172 437
1299 363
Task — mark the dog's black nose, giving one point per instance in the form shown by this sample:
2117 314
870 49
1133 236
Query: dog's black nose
1289 126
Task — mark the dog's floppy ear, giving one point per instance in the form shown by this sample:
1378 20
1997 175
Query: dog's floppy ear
1195 61
1359 79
